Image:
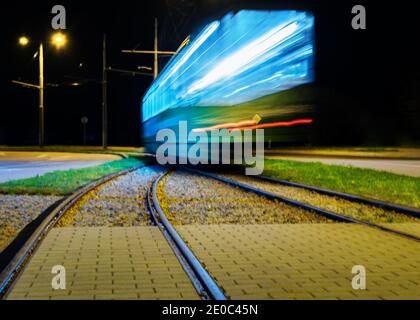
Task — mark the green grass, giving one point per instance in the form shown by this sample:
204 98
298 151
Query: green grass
369 183
64 182
123 151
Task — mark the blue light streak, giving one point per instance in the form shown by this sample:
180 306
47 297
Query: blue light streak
242 57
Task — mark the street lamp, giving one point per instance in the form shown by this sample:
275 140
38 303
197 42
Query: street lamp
58 40
23 41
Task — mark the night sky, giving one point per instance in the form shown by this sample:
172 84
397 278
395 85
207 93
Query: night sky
369 80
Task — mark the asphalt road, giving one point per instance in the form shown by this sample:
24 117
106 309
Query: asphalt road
405 167
21 165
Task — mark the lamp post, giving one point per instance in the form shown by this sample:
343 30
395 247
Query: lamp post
41 96
104 97
58 40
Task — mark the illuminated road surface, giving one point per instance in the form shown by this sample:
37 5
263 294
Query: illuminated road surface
405 167
22 165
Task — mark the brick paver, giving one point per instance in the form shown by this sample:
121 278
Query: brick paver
306 261
105 263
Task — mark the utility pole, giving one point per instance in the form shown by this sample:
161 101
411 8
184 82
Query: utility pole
41 96
104 97
156 51
156 65
105 69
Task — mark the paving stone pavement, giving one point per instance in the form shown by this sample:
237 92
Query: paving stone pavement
306 261
105 263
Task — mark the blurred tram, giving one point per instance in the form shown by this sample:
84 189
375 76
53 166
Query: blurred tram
252 69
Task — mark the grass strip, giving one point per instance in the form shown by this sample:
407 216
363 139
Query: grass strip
385 186
63 182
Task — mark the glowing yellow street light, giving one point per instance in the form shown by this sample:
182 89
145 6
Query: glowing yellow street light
23 41
59 40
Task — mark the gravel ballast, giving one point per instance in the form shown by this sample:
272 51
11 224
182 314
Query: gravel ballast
345 207
16 211
120 203
191 199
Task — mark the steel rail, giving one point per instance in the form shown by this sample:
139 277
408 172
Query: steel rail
372 202
199 272
184 263
55 212
325 213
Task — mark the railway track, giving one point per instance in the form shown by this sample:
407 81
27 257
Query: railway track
203 283
182 247
256 245
241 182
14 262
371 202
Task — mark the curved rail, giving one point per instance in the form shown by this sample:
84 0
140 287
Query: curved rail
326 213
199 274
54 213
371 202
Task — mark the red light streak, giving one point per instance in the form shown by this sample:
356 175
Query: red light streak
250 125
